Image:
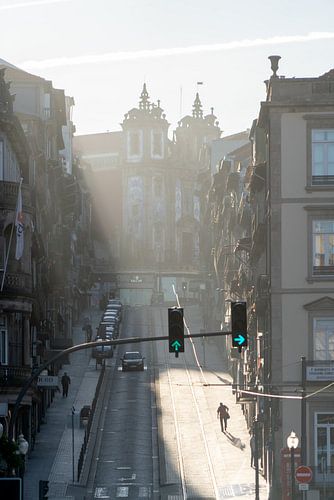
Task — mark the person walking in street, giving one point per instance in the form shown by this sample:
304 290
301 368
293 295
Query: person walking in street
65 382
223 413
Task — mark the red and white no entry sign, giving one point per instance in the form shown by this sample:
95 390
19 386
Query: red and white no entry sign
303 474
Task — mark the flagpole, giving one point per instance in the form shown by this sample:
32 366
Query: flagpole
11 237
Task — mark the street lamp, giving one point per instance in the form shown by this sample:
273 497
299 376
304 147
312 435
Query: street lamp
292 443
23 450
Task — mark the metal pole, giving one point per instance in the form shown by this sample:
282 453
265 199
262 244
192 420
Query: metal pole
89 345
293 485
303 414
257 493
73 411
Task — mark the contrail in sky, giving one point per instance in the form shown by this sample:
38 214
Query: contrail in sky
153 53
29 4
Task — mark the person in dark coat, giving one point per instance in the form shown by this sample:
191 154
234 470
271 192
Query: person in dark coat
65 382
223 413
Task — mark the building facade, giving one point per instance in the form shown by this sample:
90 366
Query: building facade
46 288
157 234
272 245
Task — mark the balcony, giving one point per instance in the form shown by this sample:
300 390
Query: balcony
8 196
18 284
13 376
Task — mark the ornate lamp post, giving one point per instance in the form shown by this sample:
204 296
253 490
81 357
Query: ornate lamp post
292 443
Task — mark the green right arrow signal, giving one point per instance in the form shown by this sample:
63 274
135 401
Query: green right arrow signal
176 344
240 339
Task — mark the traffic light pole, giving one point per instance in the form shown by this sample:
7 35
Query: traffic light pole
89 345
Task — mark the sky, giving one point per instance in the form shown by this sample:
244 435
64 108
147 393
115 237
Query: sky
102 51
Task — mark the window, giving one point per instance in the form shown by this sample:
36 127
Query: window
322 157
323 338
324 449
323 247
134 144
157 146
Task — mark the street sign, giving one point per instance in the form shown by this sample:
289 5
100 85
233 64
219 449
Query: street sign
47 381
11 487
303 486
303 474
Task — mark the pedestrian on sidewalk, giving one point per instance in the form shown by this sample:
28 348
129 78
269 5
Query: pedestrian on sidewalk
252 448
65 382
223 413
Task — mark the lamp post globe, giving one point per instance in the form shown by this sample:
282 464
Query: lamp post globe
23 445
292 442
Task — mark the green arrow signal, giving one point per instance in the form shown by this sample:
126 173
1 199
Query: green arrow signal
240 339
176 344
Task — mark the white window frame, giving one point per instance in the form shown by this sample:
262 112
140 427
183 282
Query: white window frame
323 239
323 213
328 333
154 155
329 474
325 177
135 157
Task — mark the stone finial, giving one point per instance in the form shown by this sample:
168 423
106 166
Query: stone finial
197 107
144 102
274 65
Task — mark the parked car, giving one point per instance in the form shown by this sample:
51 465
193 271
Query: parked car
107 328
102 351
115 301
132 360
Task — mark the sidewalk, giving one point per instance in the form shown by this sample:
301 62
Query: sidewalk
51 458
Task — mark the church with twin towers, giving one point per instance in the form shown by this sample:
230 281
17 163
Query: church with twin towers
147 190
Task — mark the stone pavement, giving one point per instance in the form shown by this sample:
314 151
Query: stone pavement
51 458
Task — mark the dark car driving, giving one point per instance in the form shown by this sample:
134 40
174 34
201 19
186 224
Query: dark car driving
132 360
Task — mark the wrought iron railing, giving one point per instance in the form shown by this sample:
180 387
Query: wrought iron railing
89 423
13 376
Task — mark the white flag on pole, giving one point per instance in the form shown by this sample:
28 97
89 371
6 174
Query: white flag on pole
19 226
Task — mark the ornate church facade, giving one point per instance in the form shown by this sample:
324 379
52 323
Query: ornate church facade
160 215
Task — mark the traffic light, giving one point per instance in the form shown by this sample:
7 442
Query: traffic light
176 330
239 324
43 489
